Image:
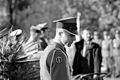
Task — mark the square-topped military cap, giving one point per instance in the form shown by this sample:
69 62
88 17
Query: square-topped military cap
39 27
68 24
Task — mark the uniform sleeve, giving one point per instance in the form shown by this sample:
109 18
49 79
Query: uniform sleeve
58 69
97 60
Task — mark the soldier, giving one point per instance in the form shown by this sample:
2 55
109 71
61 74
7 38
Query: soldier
54 62
87 56
96 38
35 43
116 53
27 62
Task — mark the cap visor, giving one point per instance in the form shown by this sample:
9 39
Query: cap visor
71 32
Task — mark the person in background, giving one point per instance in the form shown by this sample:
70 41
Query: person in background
106 53
96 38
116 53
35 42
27 62
42 38
87 56
54 62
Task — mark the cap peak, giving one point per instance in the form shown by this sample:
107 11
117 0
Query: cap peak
64 19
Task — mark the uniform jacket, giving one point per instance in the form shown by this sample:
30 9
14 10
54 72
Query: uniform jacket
31 51
91 63
54 63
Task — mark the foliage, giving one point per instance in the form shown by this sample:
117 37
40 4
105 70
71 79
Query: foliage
8 55
97 14
103 14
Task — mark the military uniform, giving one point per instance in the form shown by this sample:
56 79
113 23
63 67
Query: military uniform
57 63
26 66
54 62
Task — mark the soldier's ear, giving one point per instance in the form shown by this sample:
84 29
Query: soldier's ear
59 32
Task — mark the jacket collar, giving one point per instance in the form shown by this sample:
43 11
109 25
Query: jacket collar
60 46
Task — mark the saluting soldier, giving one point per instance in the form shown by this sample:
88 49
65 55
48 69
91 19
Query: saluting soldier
34 43
54 62
27 62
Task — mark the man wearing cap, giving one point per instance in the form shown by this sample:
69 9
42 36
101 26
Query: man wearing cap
28 67
87 56
35 43
54 62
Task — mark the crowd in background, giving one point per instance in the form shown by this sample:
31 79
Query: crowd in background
110 52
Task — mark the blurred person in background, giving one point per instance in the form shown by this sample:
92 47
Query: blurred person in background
96 38
27 63
87 56
116 53
42 38
106 53
36 40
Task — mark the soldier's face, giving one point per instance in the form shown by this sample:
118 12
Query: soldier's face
67 38
41 34
34 34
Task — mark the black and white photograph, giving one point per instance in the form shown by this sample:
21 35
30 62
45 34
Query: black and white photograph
59 39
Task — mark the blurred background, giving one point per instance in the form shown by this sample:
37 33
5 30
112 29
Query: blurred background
97 14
